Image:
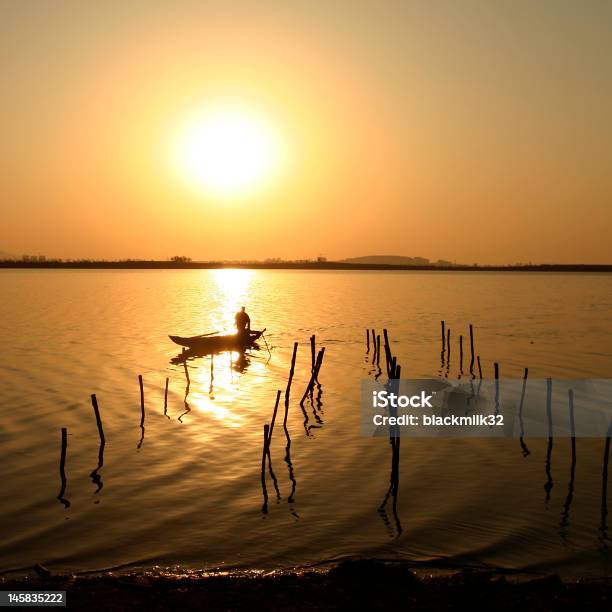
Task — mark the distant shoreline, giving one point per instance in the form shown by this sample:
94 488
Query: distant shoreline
327 265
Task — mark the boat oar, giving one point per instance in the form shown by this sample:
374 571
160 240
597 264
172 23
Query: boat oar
204 335
263 336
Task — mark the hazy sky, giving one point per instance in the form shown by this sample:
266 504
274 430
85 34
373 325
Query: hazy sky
463 130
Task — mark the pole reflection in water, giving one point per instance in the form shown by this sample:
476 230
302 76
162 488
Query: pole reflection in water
603 527
308 426
377 372
184 360
142 435
316 405
309 393
570 489
291 497
166 400
212 376
548 485
497 399
269 444
187 408
319 398
186 404
394 441
273 476
524 448
392 491
473 395
95 476
62 469
142 412
264 489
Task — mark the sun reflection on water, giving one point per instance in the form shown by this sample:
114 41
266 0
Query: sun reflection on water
217 381
232 290
217 410
220 385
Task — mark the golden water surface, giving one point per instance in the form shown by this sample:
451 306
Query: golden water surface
185 489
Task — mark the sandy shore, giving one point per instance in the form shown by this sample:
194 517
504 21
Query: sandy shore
352 584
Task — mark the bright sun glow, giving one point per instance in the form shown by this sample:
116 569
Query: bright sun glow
227 152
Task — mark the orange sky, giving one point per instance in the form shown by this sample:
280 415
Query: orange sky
472 131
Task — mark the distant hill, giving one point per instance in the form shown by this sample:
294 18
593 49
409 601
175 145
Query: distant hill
5 255
395 260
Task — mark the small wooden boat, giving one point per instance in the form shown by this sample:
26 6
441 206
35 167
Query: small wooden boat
216 344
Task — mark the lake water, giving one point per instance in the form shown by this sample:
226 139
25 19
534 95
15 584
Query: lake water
188 494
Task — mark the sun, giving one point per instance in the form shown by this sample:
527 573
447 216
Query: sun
227 152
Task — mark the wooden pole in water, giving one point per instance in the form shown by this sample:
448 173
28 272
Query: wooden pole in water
63 453
387 347
166 395
442 325
142 407
448 346
549 406
290 379
388 359
314 375
479 367
94 403
388 356
471 349
278 394
265 449
496 368
312 353
318 365
378 349
367 340
460 353
374 344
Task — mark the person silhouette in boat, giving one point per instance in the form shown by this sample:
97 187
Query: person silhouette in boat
243 322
